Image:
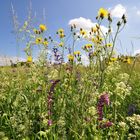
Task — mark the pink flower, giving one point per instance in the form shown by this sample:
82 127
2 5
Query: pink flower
104 99
49 122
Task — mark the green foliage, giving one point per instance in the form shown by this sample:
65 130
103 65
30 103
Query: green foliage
70 101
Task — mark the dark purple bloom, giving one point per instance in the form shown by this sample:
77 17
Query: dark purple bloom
57 56
104 99
50 100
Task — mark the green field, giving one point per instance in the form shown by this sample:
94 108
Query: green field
57 96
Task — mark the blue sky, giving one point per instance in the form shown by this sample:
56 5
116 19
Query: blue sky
60 12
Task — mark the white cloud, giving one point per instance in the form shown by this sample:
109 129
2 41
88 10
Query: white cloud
86 24
137 53
118 11
138 12
6 60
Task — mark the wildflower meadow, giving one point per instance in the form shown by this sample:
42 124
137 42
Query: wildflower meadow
55 95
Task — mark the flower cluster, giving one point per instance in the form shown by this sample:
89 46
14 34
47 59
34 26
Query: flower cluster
87 47
61 34
103 100
41 29
50 100
58 58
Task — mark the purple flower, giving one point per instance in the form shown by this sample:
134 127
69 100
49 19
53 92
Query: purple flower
49 122
104 99
50 100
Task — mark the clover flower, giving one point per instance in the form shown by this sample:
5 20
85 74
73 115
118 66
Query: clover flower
49 122
122 124
103 100
92 110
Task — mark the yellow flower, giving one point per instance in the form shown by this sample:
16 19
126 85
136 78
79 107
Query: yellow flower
42 27
109 45
36 31
45 43
94 29
29 59
38 40
83 32
71 57
102 13
113 59
60 31
61 44
128 60
87 47
62 35
77 53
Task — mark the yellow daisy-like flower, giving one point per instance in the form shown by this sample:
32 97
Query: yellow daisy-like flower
61 35
128 60
61 44
60 31
83 32
103 13
77 53
45 43
71 57
113 59
89 46
93 40
94 29
38 40
29 59
35 31
109 45
42 27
